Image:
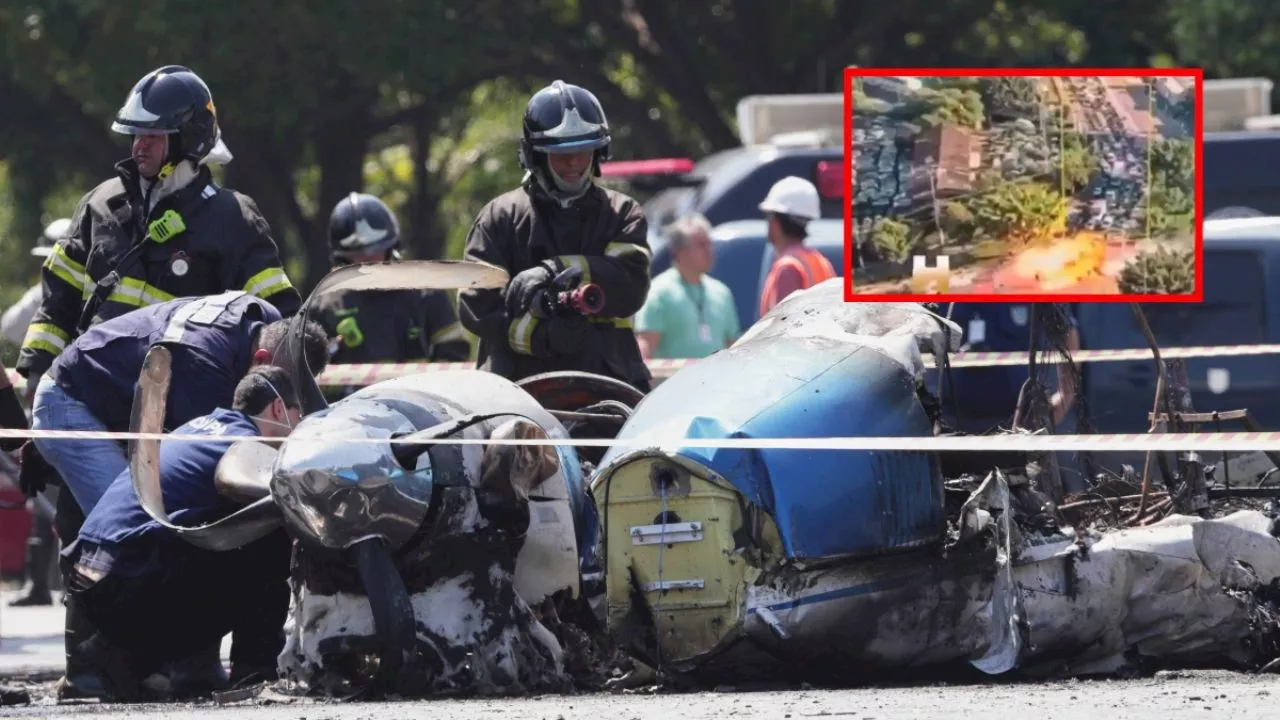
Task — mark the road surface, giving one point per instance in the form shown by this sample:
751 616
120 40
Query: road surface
1167 696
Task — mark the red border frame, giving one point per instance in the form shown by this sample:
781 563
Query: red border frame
1198 132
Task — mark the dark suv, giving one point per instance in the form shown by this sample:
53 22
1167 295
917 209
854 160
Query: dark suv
729 185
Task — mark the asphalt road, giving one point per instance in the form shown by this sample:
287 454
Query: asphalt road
1167 696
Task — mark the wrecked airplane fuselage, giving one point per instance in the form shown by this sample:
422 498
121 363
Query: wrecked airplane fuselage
477 533
692 534
726 565
417 562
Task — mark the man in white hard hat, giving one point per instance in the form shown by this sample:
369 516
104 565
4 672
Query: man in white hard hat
791 203
18 316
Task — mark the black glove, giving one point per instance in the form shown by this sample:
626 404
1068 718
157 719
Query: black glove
33 471
520 291
567 335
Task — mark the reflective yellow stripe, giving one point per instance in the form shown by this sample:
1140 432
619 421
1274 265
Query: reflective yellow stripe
268 282
579 262
47 337
618 249
134 292
520 334
64 267
622 323
450 333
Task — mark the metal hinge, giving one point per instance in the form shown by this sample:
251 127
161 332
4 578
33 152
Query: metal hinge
663 534
674 585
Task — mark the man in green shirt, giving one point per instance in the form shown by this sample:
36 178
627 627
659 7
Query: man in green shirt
687 314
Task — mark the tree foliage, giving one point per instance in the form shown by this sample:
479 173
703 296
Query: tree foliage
893 240
1020 212
1162 271
949 106
958 222
421 99
1008 98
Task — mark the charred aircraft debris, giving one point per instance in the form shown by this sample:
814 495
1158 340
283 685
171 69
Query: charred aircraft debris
436 568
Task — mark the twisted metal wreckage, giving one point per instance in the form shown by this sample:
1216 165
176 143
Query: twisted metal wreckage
437 568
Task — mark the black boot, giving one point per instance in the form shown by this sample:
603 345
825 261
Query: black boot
39 554
83 678
198 675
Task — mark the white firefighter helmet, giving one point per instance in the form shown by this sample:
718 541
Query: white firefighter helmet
53 232
793 196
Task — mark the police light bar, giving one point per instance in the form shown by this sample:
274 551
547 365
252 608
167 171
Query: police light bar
830 179
662 166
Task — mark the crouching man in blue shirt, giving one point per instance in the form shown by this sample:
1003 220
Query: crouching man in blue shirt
155 598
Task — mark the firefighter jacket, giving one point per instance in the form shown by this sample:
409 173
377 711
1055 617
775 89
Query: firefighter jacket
391 326
603 234
199 240
211 340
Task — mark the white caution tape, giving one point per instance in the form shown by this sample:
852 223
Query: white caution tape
1166 442
368 373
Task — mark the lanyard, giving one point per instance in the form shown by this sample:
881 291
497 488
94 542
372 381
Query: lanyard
700 301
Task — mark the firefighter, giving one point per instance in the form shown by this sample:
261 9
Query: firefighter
17 317
156 598
43 544
791 203
383 326
160 229
560 219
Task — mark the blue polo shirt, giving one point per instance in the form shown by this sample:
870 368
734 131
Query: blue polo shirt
118 536
988 395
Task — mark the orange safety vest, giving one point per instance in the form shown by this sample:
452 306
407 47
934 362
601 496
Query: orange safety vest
812 264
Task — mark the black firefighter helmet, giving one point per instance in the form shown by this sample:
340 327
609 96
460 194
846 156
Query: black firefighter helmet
173 101
361 223
563 118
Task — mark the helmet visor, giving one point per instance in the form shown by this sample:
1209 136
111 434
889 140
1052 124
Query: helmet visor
127 128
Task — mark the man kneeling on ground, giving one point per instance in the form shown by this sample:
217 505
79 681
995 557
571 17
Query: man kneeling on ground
154 597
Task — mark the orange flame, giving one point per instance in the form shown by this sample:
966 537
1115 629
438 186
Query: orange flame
1064 263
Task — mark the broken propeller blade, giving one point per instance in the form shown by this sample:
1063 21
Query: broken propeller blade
397 275
412 275
149 403
244 473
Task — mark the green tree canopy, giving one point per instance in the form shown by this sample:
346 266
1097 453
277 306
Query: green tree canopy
1020 211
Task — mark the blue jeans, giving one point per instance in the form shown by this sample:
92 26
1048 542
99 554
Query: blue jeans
87 467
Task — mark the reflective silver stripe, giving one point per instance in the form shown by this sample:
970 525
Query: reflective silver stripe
64 267
140 296
579 262
203 311
449 334
618 249
520 334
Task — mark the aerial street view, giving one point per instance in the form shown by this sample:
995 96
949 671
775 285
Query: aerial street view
1025 185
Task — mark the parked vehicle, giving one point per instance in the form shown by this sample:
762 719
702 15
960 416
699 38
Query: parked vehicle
1241 259
1239 180
796 134
730 184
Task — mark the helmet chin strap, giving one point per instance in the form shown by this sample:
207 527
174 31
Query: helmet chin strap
561 191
